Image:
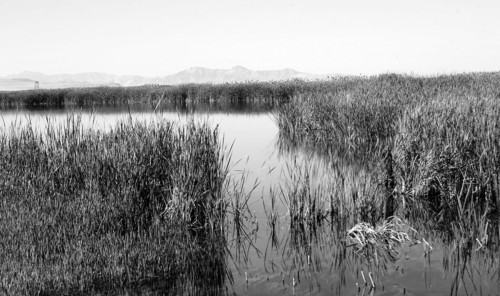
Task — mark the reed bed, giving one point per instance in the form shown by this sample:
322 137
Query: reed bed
424 149
139 207
433 139
447 157
271 93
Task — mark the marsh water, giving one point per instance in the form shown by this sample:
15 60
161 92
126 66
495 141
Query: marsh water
274 258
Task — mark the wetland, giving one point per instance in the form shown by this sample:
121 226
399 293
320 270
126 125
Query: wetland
383 185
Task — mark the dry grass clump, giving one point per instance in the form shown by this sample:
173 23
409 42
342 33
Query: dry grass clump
380 245
391 233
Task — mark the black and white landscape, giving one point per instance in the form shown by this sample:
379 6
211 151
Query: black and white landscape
223 147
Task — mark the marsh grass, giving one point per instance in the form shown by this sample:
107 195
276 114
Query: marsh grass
469 265
321 201
271 93
85 211
449 164
314 192
242 225
301 197
434 141
424 149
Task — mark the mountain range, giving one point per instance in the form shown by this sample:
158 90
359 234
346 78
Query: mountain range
26 80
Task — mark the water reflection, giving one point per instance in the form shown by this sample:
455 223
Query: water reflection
334 152
183 107
197 265
462 265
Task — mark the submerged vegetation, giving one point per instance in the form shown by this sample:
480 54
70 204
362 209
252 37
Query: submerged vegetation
88 212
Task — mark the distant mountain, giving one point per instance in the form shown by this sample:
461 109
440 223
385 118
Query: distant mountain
235 74
26 80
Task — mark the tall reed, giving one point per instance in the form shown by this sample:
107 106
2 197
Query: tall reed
433 139
85 211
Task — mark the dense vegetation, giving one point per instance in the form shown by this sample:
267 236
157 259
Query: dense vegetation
425 150
431 145
270 92
87 212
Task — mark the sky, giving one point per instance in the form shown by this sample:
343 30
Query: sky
159 37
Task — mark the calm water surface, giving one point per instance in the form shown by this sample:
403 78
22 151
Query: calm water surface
267 261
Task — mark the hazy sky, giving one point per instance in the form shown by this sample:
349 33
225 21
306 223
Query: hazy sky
155 38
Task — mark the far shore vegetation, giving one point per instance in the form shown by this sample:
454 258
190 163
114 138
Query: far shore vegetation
273 92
